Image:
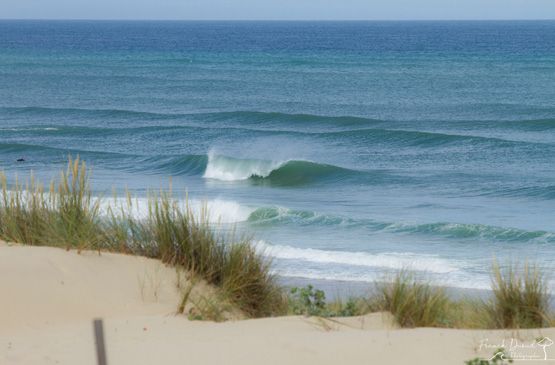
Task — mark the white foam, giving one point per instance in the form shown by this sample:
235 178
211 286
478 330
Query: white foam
223 210
234 169
217 210
464 281
28 129
420 262
365 267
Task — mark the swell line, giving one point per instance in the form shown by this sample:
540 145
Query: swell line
278 216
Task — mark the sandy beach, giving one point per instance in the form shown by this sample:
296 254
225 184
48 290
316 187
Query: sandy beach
49 298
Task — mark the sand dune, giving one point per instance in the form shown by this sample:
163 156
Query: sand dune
49 297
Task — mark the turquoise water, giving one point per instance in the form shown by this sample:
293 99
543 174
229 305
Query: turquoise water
350 148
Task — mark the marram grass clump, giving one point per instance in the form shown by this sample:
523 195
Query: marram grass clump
411 300
520 298
69 216
23 212
232 263
76 219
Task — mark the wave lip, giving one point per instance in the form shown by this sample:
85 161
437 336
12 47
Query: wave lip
233 169
285 173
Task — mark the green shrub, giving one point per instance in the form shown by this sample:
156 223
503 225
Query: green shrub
308 301
498 357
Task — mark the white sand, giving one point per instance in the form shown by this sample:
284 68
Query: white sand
49 297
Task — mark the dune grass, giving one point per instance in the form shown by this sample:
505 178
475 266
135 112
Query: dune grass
177 236
23 212
412 300
69 216
75 222
66 216
520 298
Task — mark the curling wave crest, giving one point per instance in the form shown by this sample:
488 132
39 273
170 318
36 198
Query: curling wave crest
288 172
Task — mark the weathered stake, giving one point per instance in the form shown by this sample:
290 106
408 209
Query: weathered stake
99 339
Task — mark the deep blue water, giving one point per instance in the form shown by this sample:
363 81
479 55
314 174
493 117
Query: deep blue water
349 148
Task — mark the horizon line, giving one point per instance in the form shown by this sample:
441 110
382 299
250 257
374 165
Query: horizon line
277 20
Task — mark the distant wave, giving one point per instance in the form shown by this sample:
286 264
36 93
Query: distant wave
275 215
20 147
271 120
497 133
425 139
346 135
533 124
276 120
36 110
287 172
27 149
459 230
543 192
253 117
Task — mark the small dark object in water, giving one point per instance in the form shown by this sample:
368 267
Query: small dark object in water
18 160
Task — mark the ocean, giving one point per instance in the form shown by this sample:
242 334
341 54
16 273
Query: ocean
348 149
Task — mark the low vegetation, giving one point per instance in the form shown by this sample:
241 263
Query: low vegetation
68 216
499 357
309 301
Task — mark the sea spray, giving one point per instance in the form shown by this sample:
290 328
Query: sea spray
232 169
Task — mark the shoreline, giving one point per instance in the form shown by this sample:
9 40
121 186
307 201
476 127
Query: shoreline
338 289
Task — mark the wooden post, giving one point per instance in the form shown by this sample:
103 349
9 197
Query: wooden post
99 339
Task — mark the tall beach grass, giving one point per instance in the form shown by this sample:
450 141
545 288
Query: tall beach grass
520 299
69 216
412 300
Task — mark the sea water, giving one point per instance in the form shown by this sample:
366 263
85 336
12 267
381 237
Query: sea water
348 148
